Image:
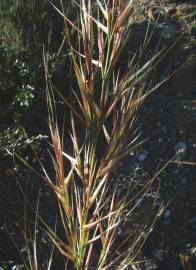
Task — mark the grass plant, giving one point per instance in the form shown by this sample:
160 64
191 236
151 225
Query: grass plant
107 102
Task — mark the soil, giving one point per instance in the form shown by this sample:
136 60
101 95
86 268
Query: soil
168 119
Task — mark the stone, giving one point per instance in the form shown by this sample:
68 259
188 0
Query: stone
142 156
167 213
181 149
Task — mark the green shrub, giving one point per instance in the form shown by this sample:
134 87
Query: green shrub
28 24
25 25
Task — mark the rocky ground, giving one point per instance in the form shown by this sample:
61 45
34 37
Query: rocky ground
168 119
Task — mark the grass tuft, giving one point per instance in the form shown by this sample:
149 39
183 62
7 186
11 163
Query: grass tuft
107 103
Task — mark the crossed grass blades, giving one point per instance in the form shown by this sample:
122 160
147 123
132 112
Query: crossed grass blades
108 100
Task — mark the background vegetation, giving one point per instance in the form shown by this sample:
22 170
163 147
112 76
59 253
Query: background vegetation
26 26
